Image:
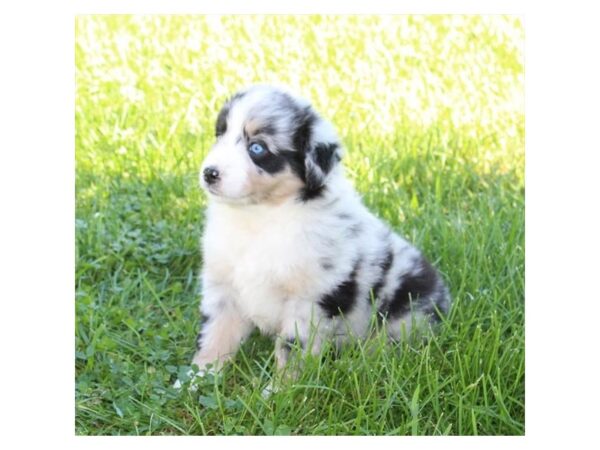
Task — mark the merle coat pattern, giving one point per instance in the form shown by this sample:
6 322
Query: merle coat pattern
288 246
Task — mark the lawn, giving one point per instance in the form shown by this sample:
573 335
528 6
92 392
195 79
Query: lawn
431 112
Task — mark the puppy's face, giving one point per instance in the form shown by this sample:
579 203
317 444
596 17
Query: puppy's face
270 146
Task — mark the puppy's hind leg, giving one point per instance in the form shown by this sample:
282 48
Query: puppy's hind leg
288 349
285 348
297 339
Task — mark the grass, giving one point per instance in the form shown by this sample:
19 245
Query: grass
430 110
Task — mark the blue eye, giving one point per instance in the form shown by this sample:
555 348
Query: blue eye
256 149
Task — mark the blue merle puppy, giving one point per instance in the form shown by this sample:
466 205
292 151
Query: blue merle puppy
288 246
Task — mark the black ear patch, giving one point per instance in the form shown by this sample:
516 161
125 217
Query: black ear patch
304 121
221 125
325 156
318 162
312 161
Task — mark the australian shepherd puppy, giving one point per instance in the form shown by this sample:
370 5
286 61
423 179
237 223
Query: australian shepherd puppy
288 246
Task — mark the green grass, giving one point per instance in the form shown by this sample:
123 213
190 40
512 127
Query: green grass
430 110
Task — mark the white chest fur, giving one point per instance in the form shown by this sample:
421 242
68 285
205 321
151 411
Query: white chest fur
269 257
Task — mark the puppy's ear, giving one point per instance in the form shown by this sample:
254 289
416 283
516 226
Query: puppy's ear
318 162
316 142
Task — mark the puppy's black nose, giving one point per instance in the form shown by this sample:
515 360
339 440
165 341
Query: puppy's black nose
211 174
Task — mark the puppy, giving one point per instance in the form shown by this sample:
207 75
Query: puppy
288 246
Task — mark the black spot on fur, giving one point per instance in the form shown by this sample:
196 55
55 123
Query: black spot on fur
324 155
342 299
418 284
311 193
304 120
385 264
204 318
314 186
221 125
326 263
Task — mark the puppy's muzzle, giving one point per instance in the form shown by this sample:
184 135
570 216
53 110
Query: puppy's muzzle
211 175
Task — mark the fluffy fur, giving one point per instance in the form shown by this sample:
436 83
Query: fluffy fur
289 247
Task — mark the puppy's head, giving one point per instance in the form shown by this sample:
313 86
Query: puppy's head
270 146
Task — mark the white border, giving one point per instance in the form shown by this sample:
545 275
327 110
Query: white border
306 7
37 177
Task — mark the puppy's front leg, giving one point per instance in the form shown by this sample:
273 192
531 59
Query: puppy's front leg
222 333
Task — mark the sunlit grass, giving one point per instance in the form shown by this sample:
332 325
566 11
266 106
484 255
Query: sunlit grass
430 110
